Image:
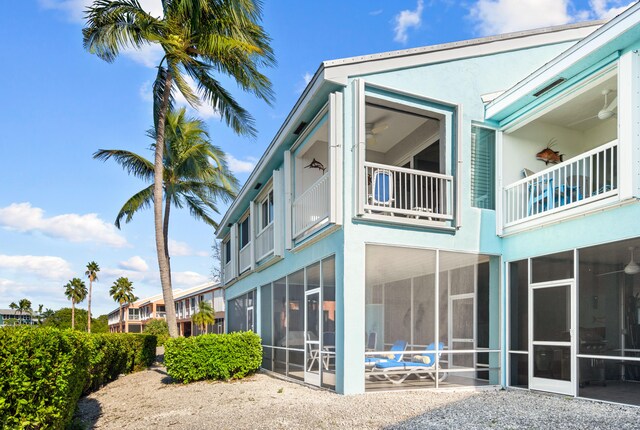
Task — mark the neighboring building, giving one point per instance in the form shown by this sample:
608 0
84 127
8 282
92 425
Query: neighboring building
139 313
12 317
401 203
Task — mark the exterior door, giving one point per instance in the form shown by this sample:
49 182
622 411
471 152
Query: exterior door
312 338
552 337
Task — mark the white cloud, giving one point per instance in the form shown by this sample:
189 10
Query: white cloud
135 263
75 8
73 227
182 249
148 55
503 16
45 267
188 279
133 275
407 19
375 12
205 110
241 166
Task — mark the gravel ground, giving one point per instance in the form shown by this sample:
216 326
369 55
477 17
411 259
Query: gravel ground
150 400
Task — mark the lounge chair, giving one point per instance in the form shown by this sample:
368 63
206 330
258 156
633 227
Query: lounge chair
399 346
423 366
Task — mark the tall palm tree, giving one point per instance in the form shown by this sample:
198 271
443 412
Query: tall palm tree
122 292
199 38
24 307
205 315
13 306
92 274
40 307
76 291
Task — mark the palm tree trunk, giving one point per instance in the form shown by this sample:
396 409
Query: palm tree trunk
165 233
89 306
158 177
120 317
73 314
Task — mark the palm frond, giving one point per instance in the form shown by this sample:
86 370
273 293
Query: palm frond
133 163
141 200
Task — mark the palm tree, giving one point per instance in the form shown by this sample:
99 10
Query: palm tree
199 38
92 274
205 315
24 307
47 313
76 291
122 292
196 174
13 306
40 307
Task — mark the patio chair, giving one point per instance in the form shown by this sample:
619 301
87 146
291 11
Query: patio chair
422 366
398 347
382 189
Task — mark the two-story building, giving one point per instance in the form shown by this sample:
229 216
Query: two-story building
471 207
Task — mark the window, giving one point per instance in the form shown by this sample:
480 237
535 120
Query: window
227 251
244 232
266 211
483 168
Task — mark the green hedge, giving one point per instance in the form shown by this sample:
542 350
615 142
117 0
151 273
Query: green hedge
43 371
213 356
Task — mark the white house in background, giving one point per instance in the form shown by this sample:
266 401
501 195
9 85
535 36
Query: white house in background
414 201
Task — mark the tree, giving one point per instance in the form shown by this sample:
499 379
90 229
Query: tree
62 319
122 292
196 174
13 306
205 315
24 307
92 274
76 291
158 328
47 313
40 307
198 38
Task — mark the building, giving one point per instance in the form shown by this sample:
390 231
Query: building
13 317
136 315
472 206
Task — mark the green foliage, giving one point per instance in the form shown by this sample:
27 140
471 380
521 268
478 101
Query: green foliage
159 328
62 319
42 374
213 356
205 315
43 371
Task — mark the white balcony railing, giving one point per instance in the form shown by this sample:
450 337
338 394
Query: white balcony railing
393 190
264 242
245 258
577 181
311 207
228 271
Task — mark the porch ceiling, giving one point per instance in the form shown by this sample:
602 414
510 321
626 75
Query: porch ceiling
393 126
581 112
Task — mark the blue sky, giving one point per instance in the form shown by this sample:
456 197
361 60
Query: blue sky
61 104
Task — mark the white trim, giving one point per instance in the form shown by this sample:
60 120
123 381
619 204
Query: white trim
629 125
279 210
288 199
336 171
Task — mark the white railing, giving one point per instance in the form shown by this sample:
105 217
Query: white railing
228 271
393 190
264 242
245 258
577 181
311 207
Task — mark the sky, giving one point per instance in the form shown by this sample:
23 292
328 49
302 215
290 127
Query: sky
60 104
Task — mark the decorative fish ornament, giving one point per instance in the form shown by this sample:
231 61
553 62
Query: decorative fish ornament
548 155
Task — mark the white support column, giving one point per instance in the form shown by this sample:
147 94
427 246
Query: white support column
234 250
629 125
360 138
335 158
288 202
278 213
253 225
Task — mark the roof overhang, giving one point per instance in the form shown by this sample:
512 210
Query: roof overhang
590 54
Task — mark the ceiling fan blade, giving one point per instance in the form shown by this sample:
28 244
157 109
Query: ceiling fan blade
613 104
610 273
580 121
379 128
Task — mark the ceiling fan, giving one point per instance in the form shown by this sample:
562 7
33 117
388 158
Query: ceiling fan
632 268
607 111
372 129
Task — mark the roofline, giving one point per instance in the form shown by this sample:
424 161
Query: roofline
530 83
178 294
320 77
459 44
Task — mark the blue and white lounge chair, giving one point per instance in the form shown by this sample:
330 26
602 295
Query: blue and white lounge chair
399 346
423 366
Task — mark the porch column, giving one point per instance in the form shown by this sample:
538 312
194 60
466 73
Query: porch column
629 125
494 319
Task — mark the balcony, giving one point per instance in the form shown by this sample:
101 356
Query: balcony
581 180
311 207
264 243
245 258
403 192
228 271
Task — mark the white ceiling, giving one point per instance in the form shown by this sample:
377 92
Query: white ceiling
583 106
400 125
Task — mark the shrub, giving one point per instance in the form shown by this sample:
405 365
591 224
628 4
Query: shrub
213 356
158 328
42 374
43 371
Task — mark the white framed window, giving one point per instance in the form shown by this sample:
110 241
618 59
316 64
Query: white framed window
266 211
243 233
